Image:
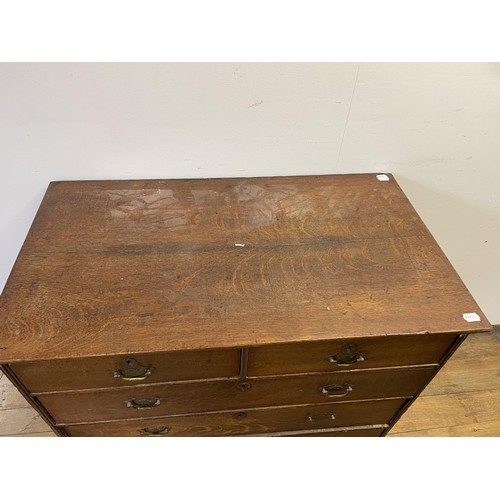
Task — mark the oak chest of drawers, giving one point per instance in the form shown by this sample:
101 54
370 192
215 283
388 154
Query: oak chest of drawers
307 306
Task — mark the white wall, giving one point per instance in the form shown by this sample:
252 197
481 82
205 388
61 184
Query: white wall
435 126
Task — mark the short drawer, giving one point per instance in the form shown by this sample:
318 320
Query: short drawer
127 370
218 395
253 421
348 354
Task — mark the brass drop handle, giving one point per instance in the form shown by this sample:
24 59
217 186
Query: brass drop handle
154 431
132 370
336 391
347 356
327 416
143 404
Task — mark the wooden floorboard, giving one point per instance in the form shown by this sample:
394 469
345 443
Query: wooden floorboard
464 397
462 400
466 414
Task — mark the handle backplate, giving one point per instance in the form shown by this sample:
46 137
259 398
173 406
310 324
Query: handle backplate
347 356
143 404
336 391
132 370
326 416
154 431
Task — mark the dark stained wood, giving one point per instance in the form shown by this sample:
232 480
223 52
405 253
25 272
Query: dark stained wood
460 400
117 267
85 373
404 350
368 431
254 421
464 397
236 292
474 367
194 397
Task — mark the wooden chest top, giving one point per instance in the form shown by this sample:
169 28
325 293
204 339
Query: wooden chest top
115 267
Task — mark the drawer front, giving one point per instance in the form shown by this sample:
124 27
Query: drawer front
254 421
366 432
201 397
134 369
350 354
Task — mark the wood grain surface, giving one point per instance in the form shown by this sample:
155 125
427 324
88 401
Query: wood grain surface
86 373
255 421
114 267
213 396
464 398
376 352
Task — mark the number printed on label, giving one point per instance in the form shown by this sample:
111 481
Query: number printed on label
470 317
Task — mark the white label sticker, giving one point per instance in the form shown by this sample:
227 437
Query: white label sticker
470 317
383 177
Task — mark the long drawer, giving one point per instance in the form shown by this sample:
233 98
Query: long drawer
366 431
218 395
254 421
348 354
119 371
